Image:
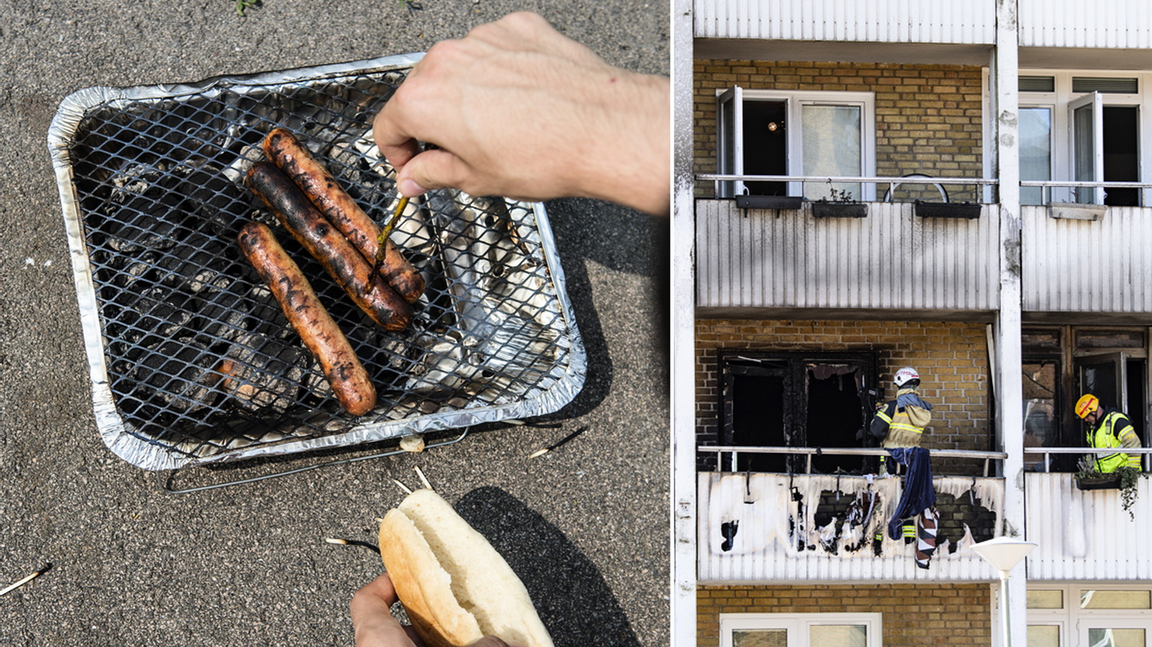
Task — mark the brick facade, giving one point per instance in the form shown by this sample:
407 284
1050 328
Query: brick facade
952 359
928 117
913 614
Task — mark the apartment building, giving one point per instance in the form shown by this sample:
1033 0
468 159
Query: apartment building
964 188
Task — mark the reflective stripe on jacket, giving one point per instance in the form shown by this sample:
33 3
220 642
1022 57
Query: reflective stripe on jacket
901 422
1114 429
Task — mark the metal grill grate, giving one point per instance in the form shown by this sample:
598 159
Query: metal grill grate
198 359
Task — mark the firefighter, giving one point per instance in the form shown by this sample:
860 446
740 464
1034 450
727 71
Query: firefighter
901 422
1108 428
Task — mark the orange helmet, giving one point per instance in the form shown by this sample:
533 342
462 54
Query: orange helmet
1086 405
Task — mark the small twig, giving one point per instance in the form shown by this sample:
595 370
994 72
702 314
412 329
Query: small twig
541 452
352 542
406 489
44 569
422 478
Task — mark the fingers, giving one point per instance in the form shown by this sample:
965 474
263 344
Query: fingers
434 169
371 618
394 142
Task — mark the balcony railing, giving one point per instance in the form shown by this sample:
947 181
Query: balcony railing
1046 452
1047 188
734 451
891 182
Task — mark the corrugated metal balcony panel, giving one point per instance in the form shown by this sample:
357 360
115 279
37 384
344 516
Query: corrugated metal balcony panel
1086 535
881 21
763 547
1108 24
891 259
1086 266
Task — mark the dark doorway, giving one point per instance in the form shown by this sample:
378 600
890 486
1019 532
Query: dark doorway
1121 154
834 414
757 403
1119 382
765 145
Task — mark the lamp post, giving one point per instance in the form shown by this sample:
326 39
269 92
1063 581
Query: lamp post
1004 553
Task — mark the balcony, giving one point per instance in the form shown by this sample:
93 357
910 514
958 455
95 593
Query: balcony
778 261
1085 534
882 21
1117 25
1077 260
763 527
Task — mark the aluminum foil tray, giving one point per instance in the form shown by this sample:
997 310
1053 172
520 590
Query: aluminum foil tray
191 360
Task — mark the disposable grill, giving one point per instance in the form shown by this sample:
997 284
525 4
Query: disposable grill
191 360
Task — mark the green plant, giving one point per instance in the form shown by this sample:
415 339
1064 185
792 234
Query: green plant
244 5
1129 481
837 195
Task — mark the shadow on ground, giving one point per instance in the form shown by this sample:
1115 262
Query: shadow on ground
574 601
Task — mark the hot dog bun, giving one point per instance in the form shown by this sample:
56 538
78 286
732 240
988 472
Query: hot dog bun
454 586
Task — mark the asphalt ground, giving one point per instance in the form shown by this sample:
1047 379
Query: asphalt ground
586 526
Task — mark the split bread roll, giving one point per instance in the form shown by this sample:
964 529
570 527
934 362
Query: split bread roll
454 586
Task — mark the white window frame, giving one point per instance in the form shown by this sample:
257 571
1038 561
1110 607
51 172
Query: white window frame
1074 622
795 100
1062 145
797 625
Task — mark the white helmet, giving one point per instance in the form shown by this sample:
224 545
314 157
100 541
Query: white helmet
906 375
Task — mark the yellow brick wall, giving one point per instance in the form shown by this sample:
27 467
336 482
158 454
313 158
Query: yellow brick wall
913 614
952 360
928 117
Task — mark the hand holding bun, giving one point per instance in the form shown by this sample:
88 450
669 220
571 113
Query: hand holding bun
454 586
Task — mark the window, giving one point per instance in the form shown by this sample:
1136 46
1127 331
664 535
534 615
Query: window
1096 615
1085 129
795 400
813 134
1110 363
800 629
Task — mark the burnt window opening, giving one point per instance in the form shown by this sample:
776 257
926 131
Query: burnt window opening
1110 364
796 400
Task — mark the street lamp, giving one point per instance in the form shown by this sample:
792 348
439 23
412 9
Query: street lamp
1004 553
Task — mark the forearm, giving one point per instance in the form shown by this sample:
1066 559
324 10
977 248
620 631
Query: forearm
629 155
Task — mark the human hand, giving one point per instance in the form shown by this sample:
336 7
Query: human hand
519 110
375 626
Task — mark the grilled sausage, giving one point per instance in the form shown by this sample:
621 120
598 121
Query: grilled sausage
286 152
329 246
321 335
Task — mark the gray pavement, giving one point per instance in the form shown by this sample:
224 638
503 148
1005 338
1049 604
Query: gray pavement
586 525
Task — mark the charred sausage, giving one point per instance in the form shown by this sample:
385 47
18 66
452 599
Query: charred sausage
320 334
339 258
286 152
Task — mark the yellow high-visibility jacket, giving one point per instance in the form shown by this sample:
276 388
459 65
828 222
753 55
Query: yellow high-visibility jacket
901 422
1113 429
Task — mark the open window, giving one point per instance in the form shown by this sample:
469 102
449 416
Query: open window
796 400
1062 363
811 134
1086 120
1082 129
1118 380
